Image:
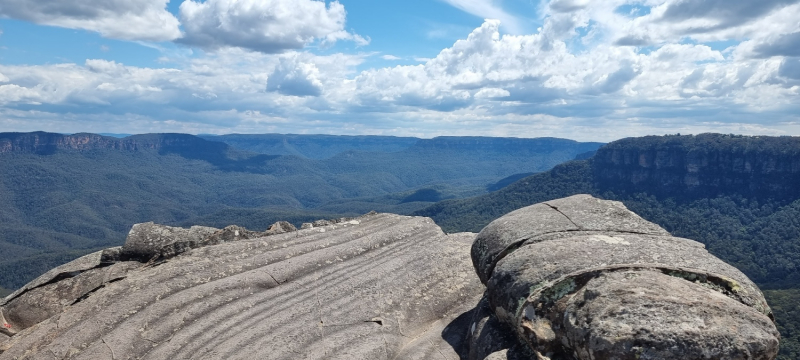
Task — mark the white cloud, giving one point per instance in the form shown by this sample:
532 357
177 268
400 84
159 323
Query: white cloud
268 26
492 93
146 20
296 78
671 21
390 57
488 9
14 93
571 79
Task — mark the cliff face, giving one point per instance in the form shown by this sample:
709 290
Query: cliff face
47 143
706 164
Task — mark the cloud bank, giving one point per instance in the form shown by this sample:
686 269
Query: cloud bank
269 26
593 71
146 20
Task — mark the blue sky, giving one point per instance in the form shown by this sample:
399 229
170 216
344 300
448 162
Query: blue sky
568 68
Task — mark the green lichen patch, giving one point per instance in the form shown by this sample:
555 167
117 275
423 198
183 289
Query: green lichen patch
559 290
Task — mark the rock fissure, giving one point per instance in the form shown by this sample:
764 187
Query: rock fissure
90 292
109 348
547 294
565 216
544 237
55 279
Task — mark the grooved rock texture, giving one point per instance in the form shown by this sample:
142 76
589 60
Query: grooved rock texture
377 287
574 278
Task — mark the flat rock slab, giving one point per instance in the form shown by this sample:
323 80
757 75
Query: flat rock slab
378 287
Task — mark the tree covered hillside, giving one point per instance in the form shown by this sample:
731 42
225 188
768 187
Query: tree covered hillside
312 146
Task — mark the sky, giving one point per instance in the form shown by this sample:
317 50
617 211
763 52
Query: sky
577 69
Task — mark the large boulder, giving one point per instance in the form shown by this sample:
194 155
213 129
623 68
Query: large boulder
602 283
150 241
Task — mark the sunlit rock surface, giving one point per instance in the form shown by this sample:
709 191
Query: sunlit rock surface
574 278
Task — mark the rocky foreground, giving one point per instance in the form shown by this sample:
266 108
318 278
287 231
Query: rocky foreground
575 278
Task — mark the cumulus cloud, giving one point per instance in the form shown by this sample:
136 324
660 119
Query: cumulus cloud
119 19
783 45
492 93
296 78
268 26
670 21
486 65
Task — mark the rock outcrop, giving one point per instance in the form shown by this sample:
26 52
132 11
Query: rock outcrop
379 286
575 278
585 278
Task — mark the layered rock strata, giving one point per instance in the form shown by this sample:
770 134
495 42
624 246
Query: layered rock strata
379 286
707 164
574 278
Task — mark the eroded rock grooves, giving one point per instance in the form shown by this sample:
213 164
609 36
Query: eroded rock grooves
574 278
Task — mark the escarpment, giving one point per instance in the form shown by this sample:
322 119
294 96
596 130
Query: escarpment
44 143
707 164
575 278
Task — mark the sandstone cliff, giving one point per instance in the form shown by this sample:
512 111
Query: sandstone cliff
575 278
706 164
48 143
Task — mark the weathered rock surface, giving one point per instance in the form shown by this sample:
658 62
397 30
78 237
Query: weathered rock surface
574 278
150 241
380 286
605 284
